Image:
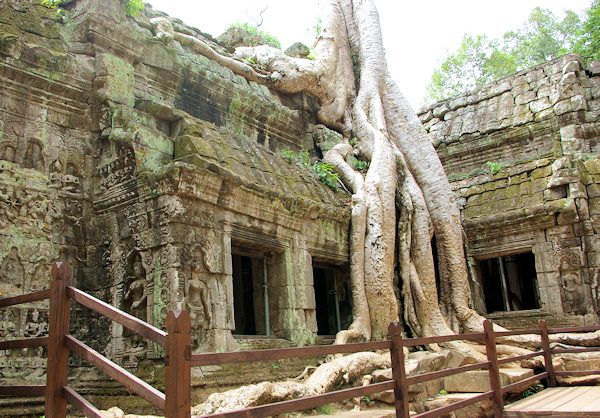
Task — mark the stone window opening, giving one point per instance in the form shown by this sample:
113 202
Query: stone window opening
509 283
332 299
251 306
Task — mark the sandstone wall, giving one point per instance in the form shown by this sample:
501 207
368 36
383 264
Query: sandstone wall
143 164
521 154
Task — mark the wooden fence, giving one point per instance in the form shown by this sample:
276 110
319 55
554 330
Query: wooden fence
176 401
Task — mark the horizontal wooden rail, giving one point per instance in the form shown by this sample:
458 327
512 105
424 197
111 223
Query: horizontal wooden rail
425 377
24 343
205 359
130 381
457 405
574 350
128 321
529 331
29 297
23 390
524 382
81 404
412 342
521 357
307 402
587 328
576 372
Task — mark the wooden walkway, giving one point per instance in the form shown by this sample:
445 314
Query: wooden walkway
580 401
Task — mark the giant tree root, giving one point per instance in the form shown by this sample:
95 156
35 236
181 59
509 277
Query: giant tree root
342 370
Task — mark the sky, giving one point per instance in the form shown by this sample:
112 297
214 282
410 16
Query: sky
417 35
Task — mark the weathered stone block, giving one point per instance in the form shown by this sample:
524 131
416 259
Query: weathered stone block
478 381
114 79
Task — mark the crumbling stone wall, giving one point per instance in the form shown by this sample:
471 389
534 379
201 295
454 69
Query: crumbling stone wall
522 156
142 163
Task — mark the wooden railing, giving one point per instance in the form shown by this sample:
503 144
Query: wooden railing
176 401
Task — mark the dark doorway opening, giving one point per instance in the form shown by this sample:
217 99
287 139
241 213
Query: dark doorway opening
332 299
248 294
509 283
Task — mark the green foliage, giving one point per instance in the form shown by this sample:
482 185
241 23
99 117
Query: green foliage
361 165
324 172
51 4
480 60
477 61
443 392
254 30
588 42
312 55
542 38
531 390
493 167
325 409
132 7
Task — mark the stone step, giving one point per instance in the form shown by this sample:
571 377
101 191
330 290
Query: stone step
480 409
479 381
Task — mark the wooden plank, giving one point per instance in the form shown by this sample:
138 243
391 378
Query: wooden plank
307 402
128 321
412 342
398 371
426 377
543 402
29 297
130 381
58 354
205 359
493 370
574 350
528 331
178 375
540 397
81 404
547 354
23 390
593 405
582 398
589 328
23 343
519 358
457 405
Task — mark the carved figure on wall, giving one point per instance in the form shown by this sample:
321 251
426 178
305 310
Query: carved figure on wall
572 285
33 156
211 252
12 269
8 153
137 293
197 301
36 326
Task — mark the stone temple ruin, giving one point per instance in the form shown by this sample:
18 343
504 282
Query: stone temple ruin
159 176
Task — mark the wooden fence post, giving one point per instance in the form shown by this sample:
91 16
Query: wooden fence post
547 354
58 353
398 371
178 373
494 371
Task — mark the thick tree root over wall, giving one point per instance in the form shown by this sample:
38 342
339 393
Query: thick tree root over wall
340 371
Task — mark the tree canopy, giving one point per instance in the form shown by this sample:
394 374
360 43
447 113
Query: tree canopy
543 37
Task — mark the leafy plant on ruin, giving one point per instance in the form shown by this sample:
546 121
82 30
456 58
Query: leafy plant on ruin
493 167
255 31
132 7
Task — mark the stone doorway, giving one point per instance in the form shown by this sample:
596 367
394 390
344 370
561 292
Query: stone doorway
509 283
332 300
249 298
